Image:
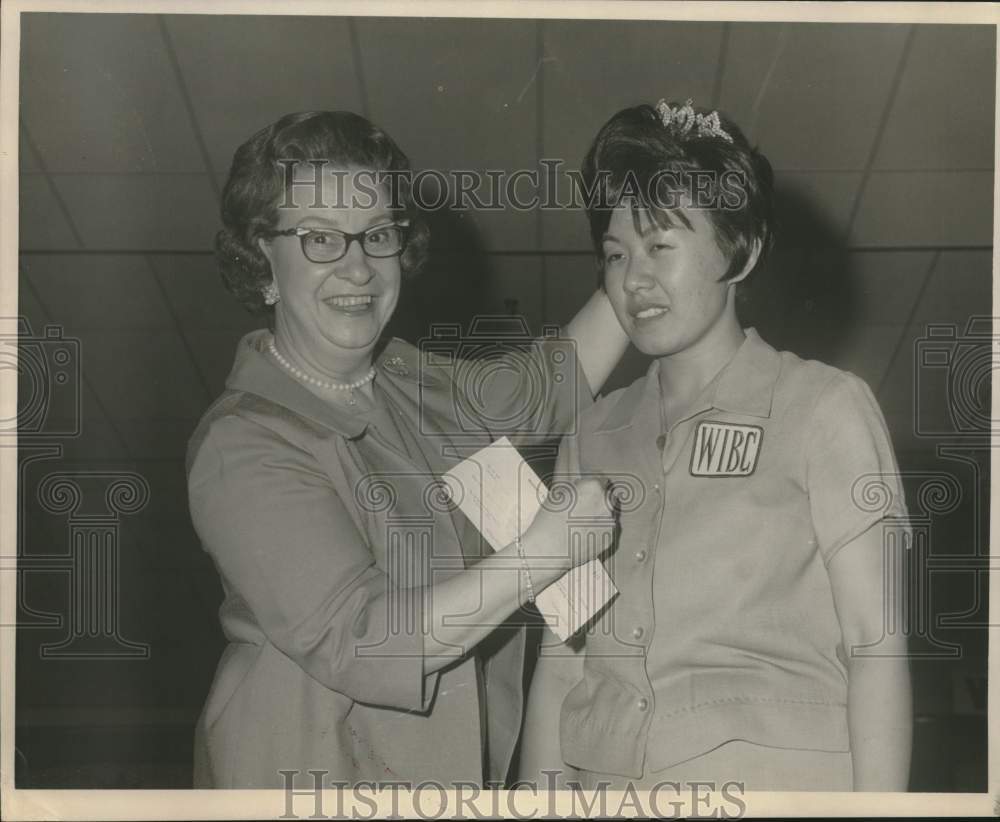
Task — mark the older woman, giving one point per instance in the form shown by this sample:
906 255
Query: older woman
351 608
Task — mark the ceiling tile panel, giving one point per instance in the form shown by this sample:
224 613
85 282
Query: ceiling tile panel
814 208
81 427
142 211
926 208
896 404
588 76
885 285
88 292
593 70
810 95
867 351
27 162
98 437
896 396
197 295
569 282
938 386
99 94
142 377
943 115
960 287
565 229
824 303
244 72
454 93
41 221
459 95
28 306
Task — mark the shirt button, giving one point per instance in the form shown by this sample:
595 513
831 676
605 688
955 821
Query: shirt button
637 632
640 556
656 487
642 704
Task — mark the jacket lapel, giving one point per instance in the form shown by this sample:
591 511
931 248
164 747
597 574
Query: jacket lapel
422 397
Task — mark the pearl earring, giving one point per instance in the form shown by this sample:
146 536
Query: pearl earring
271 295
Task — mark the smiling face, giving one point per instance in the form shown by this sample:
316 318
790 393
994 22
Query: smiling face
666 285
330 315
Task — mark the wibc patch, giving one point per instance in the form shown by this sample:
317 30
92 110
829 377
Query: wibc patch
724 449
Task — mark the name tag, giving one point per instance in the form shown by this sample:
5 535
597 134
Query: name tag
723 449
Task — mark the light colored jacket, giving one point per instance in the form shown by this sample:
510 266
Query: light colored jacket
309 516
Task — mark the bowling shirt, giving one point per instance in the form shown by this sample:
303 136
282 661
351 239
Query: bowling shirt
724 626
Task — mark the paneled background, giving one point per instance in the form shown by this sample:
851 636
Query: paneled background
881 136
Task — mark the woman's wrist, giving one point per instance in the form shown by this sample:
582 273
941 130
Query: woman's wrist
525 570
538 558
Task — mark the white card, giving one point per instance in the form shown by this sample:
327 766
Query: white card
495 488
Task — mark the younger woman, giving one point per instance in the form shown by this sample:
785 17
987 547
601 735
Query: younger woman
750 574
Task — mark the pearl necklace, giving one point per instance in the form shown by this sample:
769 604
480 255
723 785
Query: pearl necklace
330 386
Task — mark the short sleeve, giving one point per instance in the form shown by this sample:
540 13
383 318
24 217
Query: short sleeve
284 542
852 477
568 460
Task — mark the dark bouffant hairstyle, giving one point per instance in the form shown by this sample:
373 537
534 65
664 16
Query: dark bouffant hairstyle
634 154
256 186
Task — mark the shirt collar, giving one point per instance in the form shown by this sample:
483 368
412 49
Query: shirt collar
256 372
744 386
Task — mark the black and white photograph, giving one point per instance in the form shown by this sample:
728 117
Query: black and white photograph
509 409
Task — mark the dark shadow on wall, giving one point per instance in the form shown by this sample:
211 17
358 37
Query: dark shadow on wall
801 300
451 287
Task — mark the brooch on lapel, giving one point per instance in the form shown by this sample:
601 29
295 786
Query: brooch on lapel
396 365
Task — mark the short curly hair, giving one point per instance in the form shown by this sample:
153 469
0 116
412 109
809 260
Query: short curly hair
634 149
256 185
